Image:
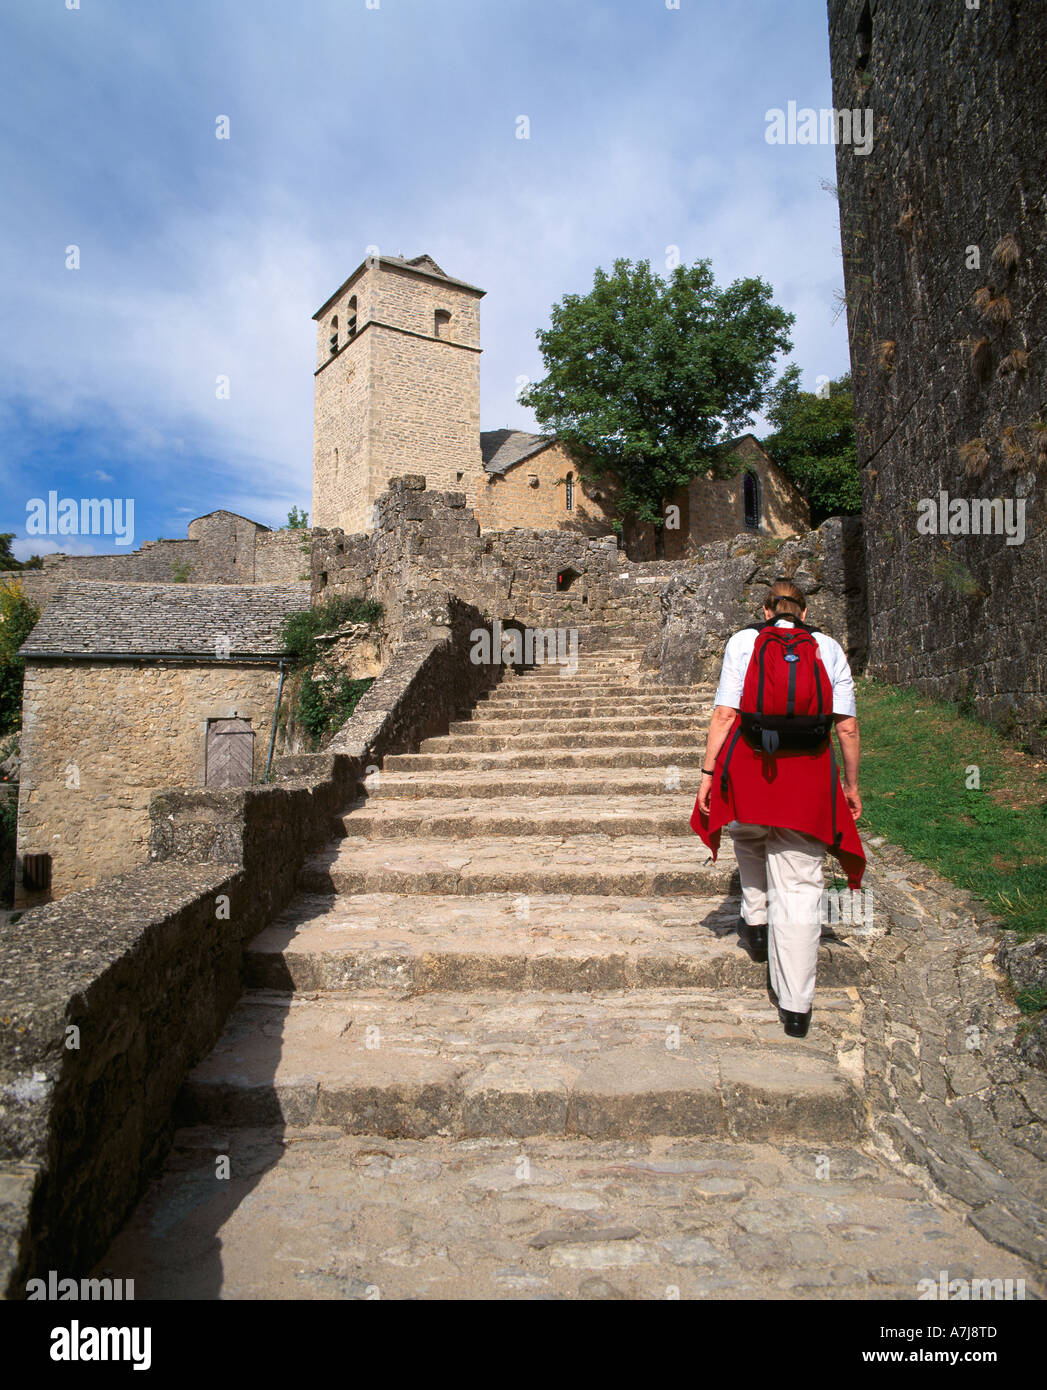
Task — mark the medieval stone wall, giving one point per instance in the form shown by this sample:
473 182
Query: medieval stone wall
944 229
155 562
281 557
431 540
98 738
221 548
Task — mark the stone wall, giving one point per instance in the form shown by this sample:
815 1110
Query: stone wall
533 494
281 557
221 548
431 540
711 509
944 229
99 737
723 592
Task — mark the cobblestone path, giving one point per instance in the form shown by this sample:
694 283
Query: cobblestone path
505 1044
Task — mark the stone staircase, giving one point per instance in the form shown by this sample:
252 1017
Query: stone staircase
505 1044
519 934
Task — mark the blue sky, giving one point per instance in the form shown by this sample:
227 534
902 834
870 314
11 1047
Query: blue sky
353 126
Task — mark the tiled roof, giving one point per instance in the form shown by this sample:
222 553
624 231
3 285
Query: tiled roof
500 449
91 619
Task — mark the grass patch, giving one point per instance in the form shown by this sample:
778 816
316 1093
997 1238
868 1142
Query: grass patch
919 758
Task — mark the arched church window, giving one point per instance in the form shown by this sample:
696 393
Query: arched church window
570 492
443 323
351 325
751 501
333 340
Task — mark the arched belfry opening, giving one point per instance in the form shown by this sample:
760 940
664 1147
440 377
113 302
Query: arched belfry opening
442 324
332 341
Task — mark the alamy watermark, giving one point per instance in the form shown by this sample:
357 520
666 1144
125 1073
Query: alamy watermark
842 906
805 126
531 646
90 516
972 516
962 1290
55 1288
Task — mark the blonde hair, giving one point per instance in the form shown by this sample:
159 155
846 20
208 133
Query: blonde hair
785 600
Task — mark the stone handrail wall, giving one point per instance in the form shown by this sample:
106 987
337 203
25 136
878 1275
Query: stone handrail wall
111 995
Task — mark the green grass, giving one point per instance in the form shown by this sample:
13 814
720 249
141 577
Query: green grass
991 840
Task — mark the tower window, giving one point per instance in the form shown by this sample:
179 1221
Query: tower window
570 492
350 327
332 342
751 502
442 326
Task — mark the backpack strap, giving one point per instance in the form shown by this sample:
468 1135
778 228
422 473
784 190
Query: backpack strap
834 777
727 759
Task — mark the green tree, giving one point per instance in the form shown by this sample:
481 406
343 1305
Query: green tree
813 443
296 520
647 379
8 561
18 617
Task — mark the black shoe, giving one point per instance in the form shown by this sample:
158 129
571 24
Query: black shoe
796 1025
754 939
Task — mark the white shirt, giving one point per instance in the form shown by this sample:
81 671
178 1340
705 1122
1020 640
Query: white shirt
736 661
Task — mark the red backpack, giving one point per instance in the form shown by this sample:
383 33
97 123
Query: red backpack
787 697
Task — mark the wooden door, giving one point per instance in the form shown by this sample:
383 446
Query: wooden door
230 753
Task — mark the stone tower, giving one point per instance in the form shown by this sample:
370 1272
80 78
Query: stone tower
397 387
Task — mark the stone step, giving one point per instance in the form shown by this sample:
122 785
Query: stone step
530 782
641 702
479 740
601 864
619 1065
585 724
334 1217
660 757
540 942
583 682
444 818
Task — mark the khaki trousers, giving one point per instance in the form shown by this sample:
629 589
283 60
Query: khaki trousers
782 883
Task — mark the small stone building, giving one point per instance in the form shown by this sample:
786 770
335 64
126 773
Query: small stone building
532 482
397 391
130 688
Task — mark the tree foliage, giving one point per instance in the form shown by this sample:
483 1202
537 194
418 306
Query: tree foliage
300 629
8 561
296 520
647 378
18 617
813 443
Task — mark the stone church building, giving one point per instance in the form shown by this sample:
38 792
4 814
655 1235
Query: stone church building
398 391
